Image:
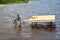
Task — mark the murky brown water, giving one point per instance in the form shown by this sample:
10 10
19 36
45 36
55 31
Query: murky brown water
26 33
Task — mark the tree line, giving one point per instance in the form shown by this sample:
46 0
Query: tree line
13 1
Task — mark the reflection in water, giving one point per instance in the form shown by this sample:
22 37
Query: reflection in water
18 29
26 33
50 29
45 28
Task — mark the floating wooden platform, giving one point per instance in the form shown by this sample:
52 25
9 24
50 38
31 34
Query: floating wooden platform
44 18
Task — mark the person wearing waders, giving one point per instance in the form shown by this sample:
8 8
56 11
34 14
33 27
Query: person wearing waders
18 20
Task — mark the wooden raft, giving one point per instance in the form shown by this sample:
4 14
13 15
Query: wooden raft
44 18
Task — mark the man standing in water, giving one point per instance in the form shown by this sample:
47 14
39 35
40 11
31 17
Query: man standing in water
18 20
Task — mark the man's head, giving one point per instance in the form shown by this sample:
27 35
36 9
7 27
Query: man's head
17 14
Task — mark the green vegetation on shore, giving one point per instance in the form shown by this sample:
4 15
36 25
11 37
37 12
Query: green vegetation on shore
13 1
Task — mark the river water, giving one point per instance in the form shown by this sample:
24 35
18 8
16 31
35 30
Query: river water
32 8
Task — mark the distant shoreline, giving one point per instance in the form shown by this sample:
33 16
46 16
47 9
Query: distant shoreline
3 5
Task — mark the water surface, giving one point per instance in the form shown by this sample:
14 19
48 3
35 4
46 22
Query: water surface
32 8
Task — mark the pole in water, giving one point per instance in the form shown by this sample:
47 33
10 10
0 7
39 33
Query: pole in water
32 24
